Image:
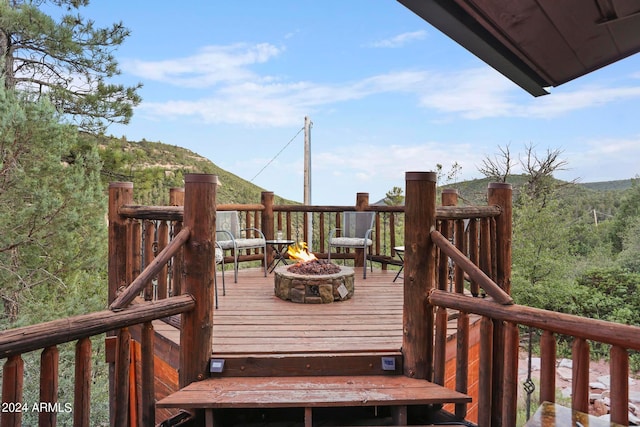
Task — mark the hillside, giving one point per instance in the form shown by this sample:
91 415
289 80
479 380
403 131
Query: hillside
155 167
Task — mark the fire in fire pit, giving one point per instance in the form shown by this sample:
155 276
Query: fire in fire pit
307 263
311 280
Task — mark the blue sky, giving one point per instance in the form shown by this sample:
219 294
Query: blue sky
386 92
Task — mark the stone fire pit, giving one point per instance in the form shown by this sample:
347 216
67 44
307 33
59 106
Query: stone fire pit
314 288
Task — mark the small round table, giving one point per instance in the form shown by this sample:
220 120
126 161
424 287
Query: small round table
280 248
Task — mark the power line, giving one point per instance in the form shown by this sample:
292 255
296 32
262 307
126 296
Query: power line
277 154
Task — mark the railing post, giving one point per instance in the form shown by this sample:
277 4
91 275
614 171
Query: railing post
120 193
266 222
500 194
199 265
419 274
362 204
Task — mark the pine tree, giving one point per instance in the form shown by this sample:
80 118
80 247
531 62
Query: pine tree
52 225
68 61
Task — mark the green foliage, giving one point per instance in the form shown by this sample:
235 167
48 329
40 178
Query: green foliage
394 197
627 215
48 207
53 235
69 60
154 168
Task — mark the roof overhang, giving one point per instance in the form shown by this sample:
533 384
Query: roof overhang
538 43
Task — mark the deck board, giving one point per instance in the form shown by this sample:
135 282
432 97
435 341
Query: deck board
311 391
251 319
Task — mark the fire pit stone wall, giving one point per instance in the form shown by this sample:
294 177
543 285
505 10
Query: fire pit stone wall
314 289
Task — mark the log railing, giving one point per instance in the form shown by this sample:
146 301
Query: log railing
134 263
472 277
620 337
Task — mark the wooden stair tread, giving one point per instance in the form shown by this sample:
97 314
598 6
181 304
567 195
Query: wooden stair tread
310 391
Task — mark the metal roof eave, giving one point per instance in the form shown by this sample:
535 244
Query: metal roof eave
450 19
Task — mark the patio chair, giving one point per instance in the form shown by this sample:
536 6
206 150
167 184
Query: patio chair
355 233
219 257
231 237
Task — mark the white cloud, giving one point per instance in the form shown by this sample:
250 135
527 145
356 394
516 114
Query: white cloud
400 39
210 66
371 162
585 97
483 93
240 95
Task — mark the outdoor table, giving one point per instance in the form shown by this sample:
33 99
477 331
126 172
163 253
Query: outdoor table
280 247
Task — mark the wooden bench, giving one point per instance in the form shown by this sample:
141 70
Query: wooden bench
311 392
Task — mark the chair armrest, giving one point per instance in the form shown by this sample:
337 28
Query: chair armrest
332 232
368 234
253 229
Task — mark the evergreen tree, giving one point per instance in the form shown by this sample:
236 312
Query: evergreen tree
52 216
68 61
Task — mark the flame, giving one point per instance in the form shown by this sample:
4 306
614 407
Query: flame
298 251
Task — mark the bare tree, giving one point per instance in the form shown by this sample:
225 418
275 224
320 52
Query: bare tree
540 170
498 168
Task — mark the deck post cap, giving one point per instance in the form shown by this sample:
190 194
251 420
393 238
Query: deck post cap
421 176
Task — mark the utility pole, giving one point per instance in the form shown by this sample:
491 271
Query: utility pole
307 178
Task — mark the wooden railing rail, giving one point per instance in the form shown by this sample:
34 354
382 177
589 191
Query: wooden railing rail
35 337
160 213
621 338
470 269
48 336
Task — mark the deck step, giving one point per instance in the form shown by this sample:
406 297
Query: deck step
308 364
309 392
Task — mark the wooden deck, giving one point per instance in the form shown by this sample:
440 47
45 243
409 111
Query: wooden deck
253 328
344 354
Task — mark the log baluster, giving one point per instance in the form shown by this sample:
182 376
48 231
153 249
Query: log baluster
458 276
440 346
147 398
462 361
82 386
486 372
547 367
580 375
322 231
176 198
150 245
123 360
12 387
510 405
163 241
485 247
49 364
474 255
619 371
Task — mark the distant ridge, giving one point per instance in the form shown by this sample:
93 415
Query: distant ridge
622 184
